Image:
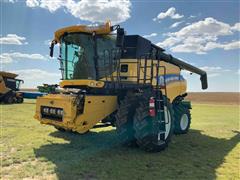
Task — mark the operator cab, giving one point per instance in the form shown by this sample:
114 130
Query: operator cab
10 80
87 54
90 56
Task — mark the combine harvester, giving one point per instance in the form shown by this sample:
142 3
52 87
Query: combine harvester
120 79
9 88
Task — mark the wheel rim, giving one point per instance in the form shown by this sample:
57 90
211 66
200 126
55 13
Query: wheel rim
169 120
184 122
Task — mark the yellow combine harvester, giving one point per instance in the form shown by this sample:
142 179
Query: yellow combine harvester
119 79
9 86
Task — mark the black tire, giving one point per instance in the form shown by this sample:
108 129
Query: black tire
124 120
146 128
60 129
182 118
9 99
69 131
20 100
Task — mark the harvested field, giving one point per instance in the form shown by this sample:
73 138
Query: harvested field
209 151
214 97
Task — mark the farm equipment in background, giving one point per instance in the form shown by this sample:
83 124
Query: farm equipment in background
48 88
9 88
124 80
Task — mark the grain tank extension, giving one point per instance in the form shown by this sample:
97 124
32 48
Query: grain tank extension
120 80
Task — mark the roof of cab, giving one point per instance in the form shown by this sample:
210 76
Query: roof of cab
8 74
101 29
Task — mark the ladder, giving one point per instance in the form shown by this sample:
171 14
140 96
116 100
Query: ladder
162 111
144 68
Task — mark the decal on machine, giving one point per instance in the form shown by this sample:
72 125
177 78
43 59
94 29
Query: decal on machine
169 78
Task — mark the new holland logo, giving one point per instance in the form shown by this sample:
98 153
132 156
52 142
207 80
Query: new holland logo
169 78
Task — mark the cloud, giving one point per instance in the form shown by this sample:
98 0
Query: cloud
89 10
209 27
9 1
47 42
212 71
170 41
171 12
32 3
150 35
13 39
238 72
191 17
200 37
202 49
176 24
225 46
6 58
188 48
236 27
35 77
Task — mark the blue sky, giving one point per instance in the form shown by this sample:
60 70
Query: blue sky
205 34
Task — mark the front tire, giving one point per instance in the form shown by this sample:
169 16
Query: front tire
9 100
182 119
146 128
124 119
60 129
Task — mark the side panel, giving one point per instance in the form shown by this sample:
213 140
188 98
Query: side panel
96 108
175 83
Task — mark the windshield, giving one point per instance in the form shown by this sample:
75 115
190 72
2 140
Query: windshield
18 82
83 57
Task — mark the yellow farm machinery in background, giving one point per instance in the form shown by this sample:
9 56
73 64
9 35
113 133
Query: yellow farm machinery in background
118 79
9 87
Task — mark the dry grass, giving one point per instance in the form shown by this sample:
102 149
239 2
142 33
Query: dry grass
31 150
214 97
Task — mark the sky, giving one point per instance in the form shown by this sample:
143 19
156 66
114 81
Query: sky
202 33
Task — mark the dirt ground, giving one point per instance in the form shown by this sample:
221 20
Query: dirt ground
214 97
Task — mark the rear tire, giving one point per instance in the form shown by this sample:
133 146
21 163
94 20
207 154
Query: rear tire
20 100
124 119
146 127
182 119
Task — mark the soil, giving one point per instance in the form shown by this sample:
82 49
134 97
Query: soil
214 97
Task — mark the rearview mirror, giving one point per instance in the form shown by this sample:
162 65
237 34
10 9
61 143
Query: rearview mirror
120 37
51 48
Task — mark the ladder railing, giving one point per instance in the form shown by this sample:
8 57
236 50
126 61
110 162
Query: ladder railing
145 67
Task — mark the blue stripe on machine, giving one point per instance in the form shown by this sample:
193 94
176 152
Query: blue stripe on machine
169 78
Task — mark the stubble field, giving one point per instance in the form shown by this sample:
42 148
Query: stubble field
210 150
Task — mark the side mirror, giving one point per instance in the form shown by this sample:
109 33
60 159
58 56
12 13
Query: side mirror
51 48
120 37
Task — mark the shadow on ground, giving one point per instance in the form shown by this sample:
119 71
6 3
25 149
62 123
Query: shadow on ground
99 156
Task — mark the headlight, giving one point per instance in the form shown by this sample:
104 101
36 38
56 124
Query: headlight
59 112
46 110
52 113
